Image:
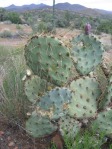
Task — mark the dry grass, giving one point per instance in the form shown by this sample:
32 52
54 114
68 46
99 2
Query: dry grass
13 28
105 39
17 42
67 33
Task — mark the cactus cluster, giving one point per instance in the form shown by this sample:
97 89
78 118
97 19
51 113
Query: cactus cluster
61 102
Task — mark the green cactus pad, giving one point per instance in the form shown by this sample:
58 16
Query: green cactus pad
69 126
85 93
39 127
103 123
49 59
34 87
87 53
108 98
57 101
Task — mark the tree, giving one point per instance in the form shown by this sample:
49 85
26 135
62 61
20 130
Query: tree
2 14
14 17
67 17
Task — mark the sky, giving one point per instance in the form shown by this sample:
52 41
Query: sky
100 4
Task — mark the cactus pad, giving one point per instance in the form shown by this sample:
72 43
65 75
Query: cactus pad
69 126
39 127
49 59
108 97
87 53
85 93
103 123
34 86
56 101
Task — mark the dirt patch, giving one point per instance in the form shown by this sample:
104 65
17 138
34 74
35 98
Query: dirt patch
13 27
106 39
15 137
67 33
108 57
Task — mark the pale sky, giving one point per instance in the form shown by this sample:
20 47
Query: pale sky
100 4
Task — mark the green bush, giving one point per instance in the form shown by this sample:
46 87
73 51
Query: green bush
18 26
2 14
5 33
14 17
49 27
43 27
105 26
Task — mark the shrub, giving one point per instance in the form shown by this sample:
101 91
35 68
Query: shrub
49 27
6 33
2 14
18 27
7 22
105 27
43 27
14 17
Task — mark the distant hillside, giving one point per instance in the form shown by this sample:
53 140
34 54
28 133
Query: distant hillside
103 11
90 12
61 6
67 6
26 7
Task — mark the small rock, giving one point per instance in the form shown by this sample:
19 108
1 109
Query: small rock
9 138
1 133
1 139
15 147
11 144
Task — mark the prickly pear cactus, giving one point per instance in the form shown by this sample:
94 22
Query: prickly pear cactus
103 123
35 87
56 102
38 126
108 98
87 53
49 59
69 126
86 91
